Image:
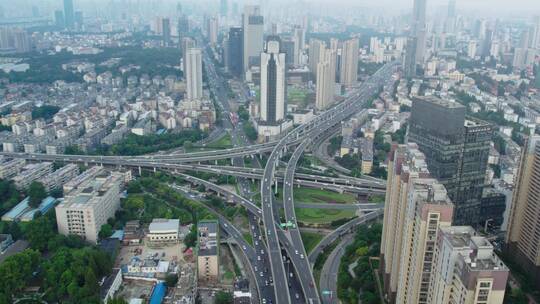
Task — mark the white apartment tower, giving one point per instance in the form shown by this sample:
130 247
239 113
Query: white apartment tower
194 74
349 62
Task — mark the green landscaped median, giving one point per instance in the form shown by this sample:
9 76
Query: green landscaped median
310 240
321 216
310 195
223 142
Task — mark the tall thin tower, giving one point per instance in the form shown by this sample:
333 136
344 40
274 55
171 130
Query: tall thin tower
194 73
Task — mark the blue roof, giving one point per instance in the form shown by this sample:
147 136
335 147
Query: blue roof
45 205
17 211
118 234
158 294
24 212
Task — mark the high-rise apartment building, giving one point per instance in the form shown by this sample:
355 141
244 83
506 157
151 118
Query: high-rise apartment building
424 259
523 234
88 205
326 75
234 51
466 269
456 152
186 43
415 207
349 62
193 74
409 62
208 252
69 14
253 25
316 49
273 83
183 26
299 35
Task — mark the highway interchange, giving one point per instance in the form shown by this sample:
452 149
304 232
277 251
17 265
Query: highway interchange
278 260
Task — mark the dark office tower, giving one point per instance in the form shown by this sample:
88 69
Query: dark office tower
409 62
224 8
183 26
59 18
288 46
79 19
235 48
456 150
166 27
488 40
69 16
2 15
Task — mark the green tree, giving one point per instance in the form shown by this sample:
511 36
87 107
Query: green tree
190 240
223 297
105 231
46 112
37 193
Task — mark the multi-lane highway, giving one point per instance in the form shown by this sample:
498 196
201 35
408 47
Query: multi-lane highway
301 264
315 128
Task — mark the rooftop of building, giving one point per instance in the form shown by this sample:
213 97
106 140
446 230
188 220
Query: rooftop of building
451 104
208 238
89 191
164 225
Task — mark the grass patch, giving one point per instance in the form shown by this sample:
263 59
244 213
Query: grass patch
310 240
297 96
223 142
321 216
248 238
311 195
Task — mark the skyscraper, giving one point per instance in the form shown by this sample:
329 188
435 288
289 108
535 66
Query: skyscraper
349 62
234 51
418 29
409 62
183 26
166 28
212 30
194 74
59 18
223 8
69 15
523 235
456 152
273 82
253 25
